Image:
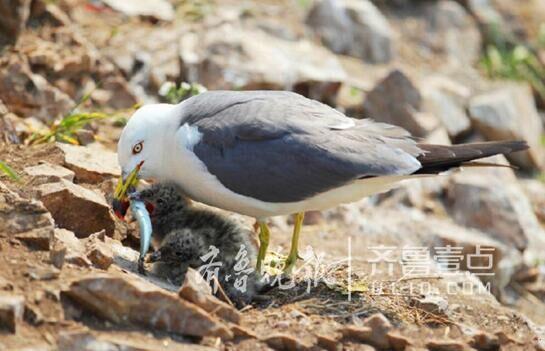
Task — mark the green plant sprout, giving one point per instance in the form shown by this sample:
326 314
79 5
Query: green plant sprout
505 58
7 170
174 94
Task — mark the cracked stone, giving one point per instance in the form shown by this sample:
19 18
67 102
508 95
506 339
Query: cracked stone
91 165
132 301
88 211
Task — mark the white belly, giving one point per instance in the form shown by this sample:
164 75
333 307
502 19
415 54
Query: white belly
191 174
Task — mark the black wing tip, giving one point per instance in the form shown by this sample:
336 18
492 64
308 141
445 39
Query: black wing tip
439 158
517 145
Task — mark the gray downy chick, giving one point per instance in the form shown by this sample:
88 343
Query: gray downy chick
203 240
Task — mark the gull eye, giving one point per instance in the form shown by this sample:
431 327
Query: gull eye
136 149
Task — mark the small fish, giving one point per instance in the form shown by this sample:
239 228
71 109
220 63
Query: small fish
141 214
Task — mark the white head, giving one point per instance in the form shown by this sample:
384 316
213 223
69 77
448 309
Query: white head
142 140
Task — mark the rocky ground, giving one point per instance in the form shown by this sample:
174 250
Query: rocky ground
456 262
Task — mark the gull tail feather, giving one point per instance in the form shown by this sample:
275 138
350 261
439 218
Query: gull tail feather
440 158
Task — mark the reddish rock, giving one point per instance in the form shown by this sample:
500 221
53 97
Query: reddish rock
131 301
330 343
76 208
380 326
446 345
241 332
195 289
484 341
286 342
361 334
26 220
98 251
398 342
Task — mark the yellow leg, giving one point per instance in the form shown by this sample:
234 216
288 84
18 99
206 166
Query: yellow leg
263 245
294 253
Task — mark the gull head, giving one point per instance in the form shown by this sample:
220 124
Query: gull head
141 149
141 141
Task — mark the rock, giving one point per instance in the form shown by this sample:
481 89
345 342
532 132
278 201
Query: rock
450 30
380 326
535 191
447 100
12 128
241 332
396 100
353 27
431 303
510 113
286 342
27 94
361 334
85 340
12 308
57 254
26 220
398 342
484 341
328 342
196 290
33 315
76 208
14 14
444 233
231 57
120 96
438 136
159 9
526 274
358 347
131 301
43 273
67 242
85 137
91 165
445 345
50 172
98 252
484 12
150 60
496 205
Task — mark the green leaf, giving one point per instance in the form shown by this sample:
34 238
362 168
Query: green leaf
4 168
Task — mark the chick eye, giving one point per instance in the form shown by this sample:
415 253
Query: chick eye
160 201
136 149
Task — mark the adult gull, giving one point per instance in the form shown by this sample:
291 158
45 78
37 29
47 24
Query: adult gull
270 153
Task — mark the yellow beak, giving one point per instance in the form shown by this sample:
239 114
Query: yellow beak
120 202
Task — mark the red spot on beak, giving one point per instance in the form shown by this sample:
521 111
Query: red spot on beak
120 208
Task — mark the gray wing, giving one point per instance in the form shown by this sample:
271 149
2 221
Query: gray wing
283 147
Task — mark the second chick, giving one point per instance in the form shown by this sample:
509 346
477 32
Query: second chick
203 240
